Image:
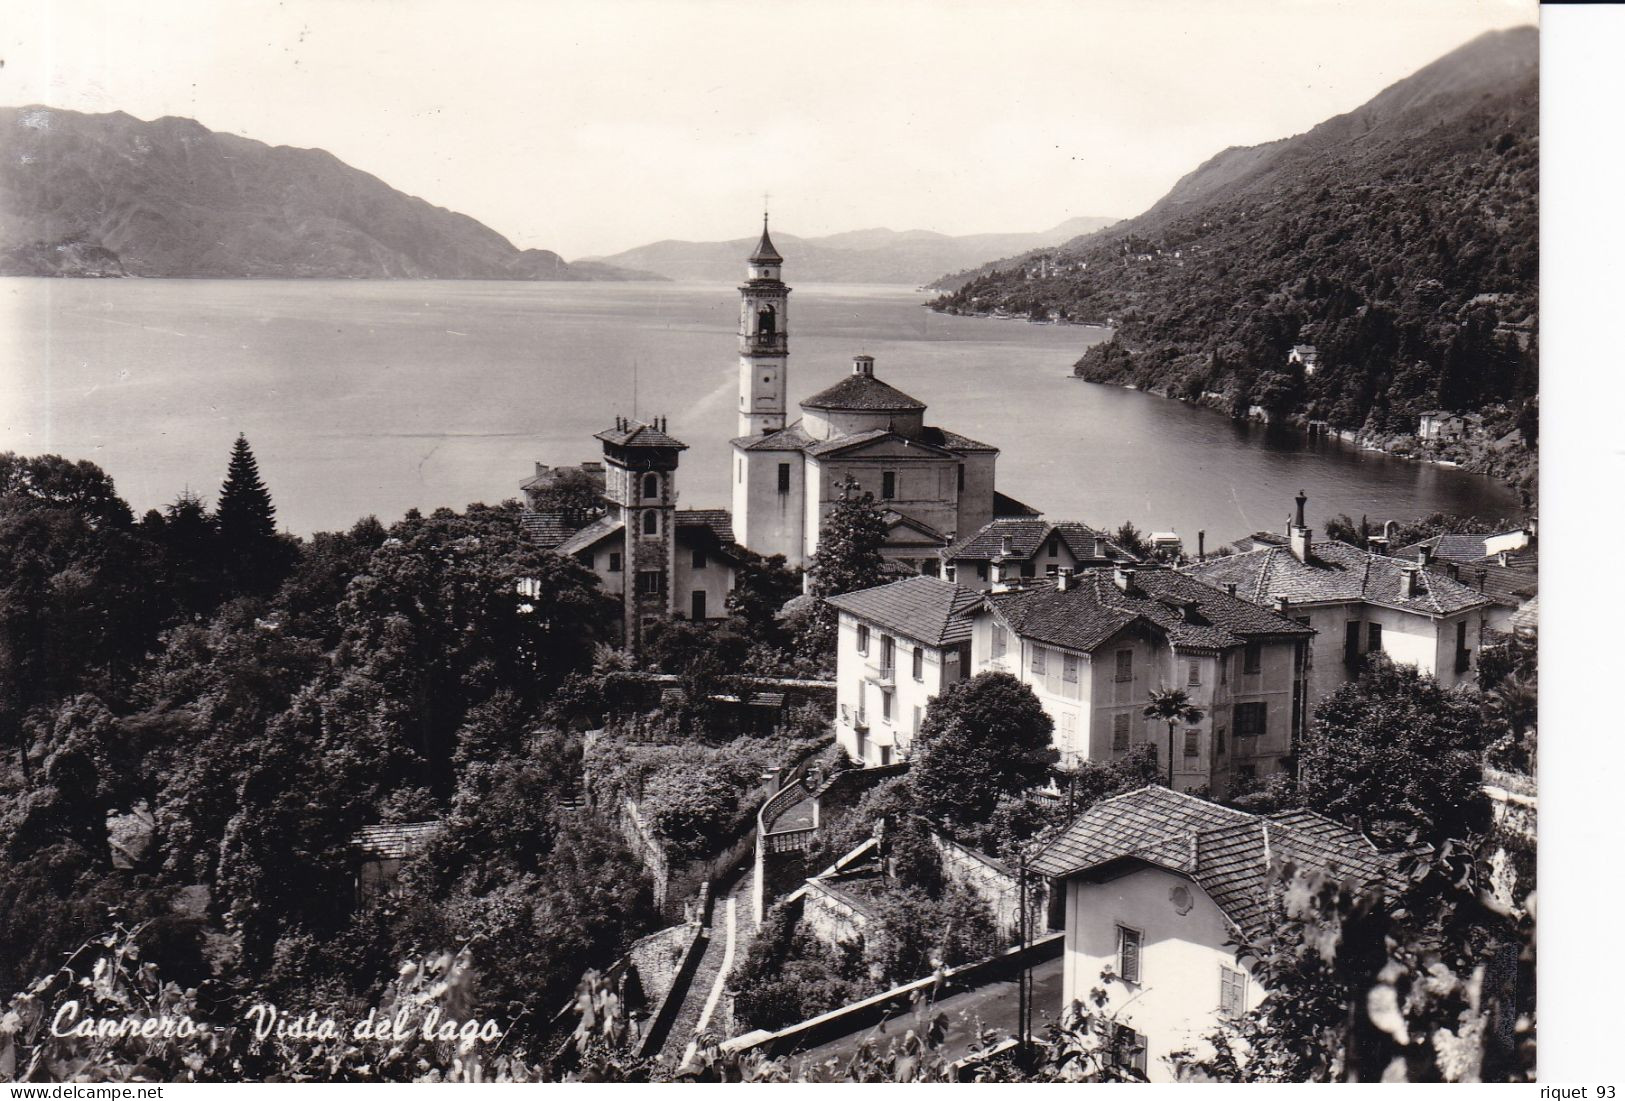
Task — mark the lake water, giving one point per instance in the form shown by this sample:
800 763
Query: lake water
377 397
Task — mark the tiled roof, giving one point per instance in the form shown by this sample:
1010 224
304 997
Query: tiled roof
765 252
893 518
1261 539
1509 585
640 435
1006 506
925 609
953 441
549 529
862 392
1527 618
601 528
394 841
1028 536
1093 609
842 442
718 521
1335 573
790 438
1231 854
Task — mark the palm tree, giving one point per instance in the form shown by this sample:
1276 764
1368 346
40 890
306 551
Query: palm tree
1173 707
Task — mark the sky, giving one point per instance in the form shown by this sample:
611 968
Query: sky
591 127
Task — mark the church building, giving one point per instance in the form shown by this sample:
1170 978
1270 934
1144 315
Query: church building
934 485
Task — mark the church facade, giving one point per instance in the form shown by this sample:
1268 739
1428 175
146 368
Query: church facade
933 484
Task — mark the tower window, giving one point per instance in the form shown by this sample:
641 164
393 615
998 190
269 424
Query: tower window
766 321
650 582
651 485
961 477
784 477
651 523
888 485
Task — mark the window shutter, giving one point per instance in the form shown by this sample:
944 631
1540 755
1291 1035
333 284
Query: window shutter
1128 954
1120 733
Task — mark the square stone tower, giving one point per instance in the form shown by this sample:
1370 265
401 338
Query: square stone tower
640 488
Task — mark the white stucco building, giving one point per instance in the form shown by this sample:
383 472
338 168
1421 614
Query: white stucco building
1026 547
787 475
1092 647
1095 645
897 647
1157 887
1359 602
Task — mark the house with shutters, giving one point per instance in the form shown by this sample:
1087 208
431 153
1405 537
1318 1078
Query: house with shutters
897 647
1359 602
1157 888
1013 548
1093 646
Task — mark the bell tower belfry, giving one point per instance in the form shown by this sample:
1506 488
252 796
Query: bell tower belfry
764 341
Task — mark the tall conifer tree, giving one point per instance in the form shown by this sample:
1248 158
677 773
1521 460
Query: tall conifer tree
246 515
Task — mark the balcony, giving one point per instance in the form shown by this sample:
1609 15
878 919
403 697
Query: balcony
764 342
886 678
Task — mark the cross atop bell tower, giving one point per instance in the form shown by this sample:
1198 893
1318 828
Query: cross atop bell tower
764 340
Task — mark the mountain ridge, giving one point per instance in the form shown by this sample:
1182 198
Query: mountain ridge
108 194
1400 239
872 255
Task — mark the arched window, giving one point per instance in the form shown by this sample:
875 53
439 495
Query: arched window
651 523
651 485
767 322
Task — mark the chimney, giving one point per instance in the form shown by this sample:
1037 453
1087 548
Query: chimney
1302 499
1123 577
863 365
1007 544
1201 546
1377 544
1501 557
1407 581
541 468
1300 543
1100 546
1390 529
1424 555
1063 579
1230 587
1455 570
1282 605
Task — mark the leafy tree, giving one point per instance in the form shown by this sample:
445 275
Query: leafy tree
849 545
1394 754
1420 982
570 490
980 738
1172 706
1131 539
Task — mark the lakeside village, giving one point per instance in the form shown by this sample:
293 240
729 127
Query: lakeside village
1182 687
880 774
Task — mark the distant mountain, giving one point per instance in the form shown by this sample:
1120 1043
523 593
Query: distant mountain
1400 239
109 194
857 256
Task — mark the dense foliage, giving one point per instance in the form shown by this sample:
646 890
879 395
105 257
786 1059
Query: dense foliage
191 745
981 738
1397 755
1403 245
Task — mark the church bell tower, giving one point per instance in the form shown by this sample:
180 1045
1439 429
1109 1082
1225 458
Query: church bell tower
764 341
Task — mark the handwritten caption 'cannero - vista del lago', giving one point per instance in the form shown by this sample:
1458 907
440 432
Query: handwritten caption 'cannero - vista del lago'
269 1022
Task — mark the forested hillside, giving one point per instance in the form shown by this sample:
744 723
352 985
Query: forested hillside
1401 240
